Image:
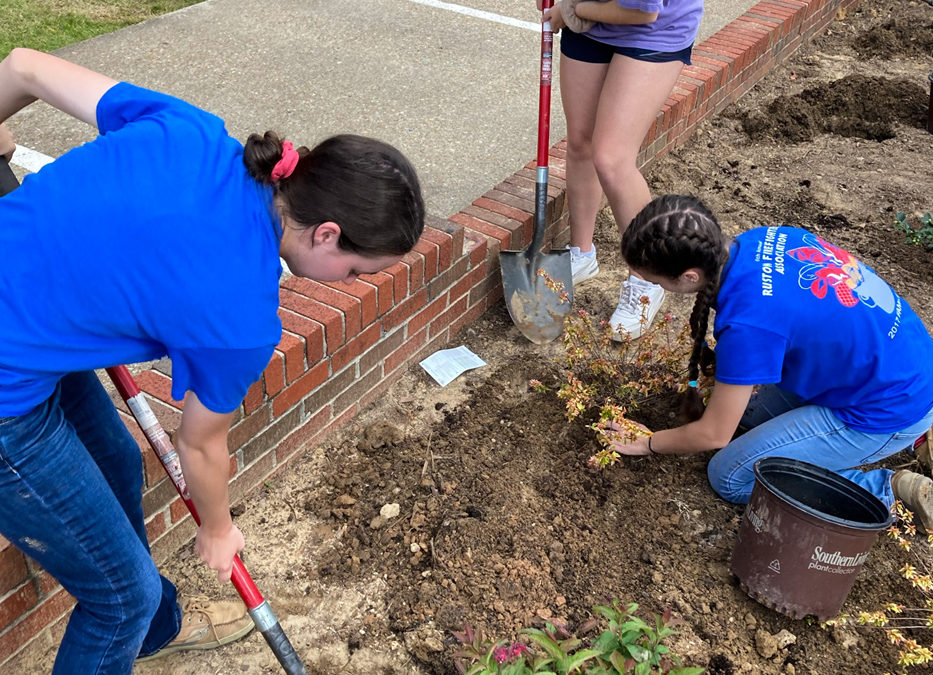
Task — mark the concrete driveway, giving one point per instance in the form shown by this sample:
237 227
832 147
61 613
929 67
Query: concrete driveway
455 86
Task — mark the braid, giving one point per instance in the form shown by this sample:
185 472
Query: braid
670 235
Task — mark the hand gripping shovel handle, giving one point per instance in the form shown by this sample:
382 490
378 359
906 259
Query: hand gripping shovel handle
259 609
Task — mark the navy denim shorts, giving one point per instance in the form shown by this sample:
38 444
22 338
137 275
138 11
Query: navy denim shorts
579 47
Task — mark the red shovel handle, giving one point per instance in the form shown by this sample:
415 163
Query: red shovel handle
259 610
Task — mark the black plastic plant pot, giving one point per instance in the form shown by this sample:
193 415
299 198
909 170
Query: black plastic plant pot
804 536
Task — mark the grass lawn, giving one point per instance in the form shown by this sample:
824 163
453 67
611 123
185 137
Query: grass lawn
49 24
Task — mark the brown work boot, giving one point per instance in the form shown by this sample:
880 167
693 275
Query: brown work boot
206 624
916 491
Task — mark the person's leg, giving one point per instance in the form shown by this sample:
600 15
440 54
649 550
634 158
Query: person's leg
629 102
583 65
56 506
812 434
631 97
90 411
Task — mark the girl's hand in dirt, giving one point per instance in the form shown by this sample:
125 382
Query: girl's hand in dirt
7 146
217 550
632 439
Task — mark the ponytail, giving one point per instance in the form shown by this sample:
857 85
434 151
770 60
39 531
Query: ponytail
365 186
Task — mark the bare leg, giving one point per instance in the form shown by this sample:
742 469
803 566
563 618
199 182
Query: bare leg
631 96
580 87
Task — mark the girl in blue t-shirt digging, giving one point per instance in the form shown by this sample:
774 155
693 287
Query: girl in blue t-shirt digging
619 62
816 356
203 222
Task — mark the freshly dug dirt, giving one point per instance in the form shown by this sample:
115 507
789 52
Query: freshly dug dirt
500 523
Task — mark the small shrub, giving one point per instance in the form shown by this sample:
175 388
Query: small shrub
606 380
626 645
910 629
921 236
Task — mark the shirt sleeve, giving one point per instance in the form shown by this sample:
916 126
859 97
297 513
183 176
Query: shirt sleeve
749 355
642 5
124 103
219 377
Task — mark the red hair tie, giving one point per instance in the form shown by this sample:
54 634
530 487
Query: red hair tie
284 167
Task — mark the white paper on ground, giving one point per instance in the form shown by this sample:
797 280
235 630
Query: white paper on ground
445 365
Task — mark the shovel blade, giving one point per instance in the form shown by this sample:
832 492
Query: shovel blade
537 302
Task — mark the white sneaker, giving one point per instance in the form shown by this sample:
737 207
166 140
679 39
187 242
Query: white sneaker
633 315
582 267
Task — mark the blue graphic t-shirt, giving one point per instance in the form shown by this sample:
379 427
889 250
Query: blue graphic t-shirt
796 311
152 240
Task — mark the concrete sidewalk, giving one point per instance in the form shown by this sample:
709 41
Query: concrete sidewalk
455 86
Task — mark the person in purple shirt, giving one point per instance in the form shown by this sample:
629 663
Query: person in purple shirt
619 62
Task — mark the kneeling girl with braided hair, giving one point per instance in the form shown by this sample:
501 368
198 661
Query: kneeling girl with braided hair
816 357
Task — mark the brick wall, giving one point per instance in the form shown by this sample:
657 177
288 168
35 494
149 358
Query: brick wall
343 346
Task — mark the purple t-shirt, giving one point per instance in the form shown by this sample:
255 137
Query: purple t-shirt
675 28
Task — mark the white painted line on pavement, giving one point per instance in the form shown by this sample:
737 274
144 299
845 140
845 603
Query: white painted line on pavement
480 14
29 159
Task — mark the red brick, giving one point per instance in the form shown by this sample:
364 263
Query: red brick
300 388
365 293
428 251
355 347
424 317
400 276
444 241
472 314
400 355
405 310
157 385
448 317
178 510
155 526
253 398
17 603
301 436
490 202
30 625
330 318
311 331
274 374
415 263
384 285
12 567
345 304
503 236
294 350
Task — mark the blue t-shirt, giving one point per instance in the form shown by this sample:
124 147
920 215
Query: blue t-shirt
796 311
675 28
152 240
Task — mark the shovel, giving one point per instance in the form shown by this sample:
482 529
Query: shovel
538 287
259 610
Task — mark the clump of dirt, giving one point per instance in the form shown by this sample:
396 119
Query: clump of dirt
858 106
910 33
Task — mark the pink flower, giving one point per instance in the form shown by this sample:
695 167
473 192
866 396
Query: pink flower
517 649
501 654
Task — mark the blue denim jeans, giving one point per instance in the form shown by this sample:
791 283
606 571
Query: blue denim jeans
70 498
780 425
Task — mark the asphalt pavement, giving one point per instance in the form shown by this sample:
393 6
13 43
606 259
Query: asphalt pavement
454 86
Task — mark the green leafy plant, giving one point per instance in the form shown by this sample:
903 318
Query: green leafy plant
918 236
606 379
626 645
910 629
